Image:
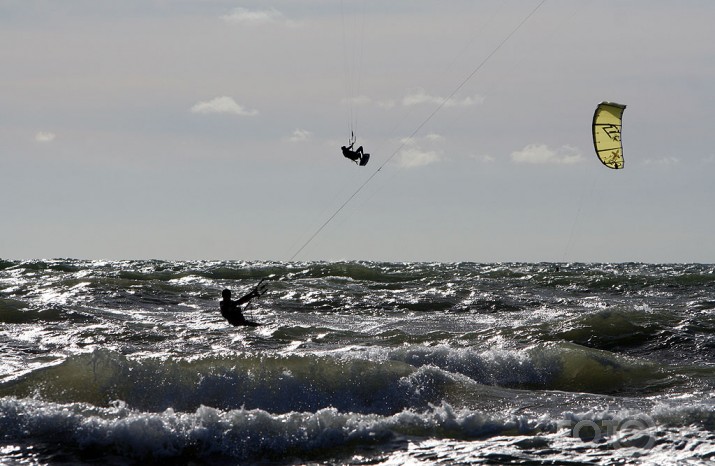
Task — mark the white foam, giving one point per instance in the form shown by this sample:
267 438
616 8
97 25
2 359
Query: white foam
243 434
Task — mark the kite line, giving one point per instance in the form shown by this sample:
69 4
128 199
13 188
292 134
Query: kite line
421 125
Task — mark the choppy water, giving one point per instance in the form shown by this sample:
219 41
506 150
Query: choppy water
357 363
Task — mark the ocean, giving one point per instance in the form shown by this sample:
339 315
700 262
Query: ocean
357 363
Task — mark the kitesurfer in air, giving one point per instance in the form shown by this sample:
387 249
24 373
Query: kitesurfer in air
357 156
231 310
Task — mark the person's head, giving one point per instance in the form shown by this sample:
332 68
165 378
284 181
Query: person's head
226 294
343 147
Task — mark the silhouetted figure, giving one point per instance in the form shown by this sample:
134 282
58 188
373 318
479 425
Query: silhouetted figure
231 310
357 156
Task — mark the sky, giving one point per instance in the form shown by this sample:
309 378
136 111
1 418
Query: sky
211 130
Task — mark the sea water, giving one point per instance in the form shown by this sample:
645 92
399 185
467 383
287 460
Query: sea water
125 362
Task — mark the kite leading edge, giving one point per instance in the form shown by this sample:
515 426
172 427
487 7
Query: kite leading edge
607 134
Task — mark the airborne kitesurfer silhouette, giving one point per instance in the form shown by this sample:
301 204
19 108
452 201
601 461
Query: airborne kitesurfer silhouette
357 156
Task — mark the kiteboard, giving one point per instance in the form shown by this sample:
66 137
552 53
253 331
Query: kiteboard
243 323
364 159
247 323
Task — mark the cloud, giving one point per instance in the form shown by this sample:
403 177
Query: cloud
300 135
542 154
254 17
387 104
663 161
414 153
418 96
43 136
223 105
415 97
483 158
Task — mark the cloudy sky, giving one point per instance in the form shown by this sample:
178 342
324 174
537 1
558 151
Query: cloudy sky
210 129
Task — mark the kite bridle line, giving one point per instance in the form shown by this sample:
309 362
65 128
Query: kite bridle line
261 292
353 56
421 125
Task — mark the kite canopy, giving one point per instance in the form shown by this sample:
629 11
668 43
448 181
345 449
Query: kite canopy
607 134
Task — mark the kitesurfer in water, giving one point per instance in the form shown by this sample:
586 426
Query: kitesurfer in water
231 310
357 156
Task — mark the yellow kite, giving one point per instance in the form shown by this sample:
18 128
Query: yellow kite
607 134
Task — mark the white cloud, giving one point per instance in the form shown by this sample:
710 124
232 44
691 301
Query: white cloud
663 161
43 136
257 17
418 96
419 153
387 104
415 97
483 158
300 135
543 154
223 105
411 157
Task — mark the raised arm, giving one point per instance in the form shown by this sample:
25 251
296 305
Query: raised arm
248 297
